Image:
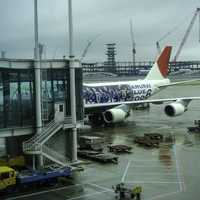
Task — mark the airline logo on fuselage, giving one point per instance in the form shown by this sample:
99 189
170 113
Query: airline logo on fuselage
116 93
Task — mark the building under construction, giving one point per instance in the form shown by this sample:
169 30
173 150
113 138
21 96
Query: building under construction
111 52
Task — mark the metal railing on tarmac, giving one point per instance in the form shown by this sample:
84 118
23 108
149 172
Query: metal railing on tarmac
48 131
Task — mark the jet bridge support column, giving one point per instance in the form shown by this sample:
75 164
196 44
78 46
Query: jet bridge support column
37 66
72 84
73 65
37 72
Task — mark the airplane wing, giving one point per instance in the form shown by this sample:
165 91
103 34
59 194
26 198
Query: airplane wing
182 83
132 103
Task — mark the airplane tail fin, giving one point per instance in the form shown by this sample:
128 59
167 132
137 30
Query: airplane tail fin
160 68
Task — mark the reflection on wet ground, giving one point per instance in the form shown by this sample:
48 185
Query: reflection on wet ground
168 172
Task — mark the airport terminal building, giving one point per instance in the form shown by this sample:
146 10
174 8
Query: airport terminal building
18 99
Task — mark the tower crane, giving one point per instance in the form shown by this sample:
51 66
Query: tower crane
162 38
132 41
187 33
175 28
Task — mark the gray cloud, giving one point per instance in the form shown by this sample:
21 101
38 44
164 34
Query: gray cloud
110 19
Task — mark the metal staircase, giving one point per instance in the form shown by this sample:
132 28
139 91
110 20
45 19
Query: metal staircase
36 144
54 156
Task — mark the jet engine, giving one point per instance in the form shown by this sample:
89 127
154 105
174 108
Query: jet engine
175 109
117 114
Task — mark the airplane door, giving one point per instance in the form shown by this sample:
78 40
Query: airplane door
59 112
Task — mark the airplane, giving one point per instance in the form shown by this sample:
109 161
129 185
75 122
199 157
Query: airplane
111 102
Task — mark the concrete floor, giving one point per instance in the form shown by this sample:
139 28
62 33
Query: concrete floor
160 175
174 175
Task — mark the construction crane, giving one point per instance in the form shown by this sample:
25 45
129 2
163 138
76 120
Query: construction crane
162 38
166 35
133 42
187 33
158 47
87 47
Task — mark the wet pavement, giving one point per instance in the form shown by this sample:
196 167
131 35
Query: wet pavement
171 173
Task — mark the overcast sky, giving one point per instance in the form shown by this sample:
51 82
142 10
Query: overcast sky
107 19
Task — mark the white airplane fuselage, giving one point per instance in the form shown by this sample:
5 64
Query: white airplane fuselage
111 102
122 91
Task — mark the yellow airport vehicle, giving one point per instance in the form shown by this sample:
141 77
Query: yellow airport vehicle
7 178
10 180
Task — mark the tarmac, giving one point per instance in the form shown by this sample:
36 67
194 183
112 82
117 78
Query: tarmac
169 174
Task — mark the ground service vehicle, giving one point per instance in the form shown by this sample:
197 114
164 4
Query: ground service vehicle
10 179
7 178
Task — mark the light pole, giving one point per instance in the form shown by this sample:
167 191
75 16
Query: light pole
72 65
37 72
37 78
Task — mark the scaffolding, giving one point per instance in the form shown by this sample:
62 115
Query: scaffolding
111 52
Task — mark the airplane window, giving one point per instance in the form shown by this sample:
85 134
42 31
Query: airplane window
60 108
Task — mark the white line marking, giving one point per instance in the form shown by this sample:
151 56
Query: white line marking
140 160
178 169
125 172
57 189
164 182
153 161
163 195
154 166
100 187
88 195
153 174
42 192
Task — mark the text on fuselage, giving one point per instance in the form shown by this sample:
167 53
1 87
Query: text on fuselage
116 93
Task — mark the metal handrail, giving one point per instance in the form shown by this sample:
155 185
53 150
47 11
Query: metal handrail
52 155
50 125
45 130
29 145
33 142
55 155
46 133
